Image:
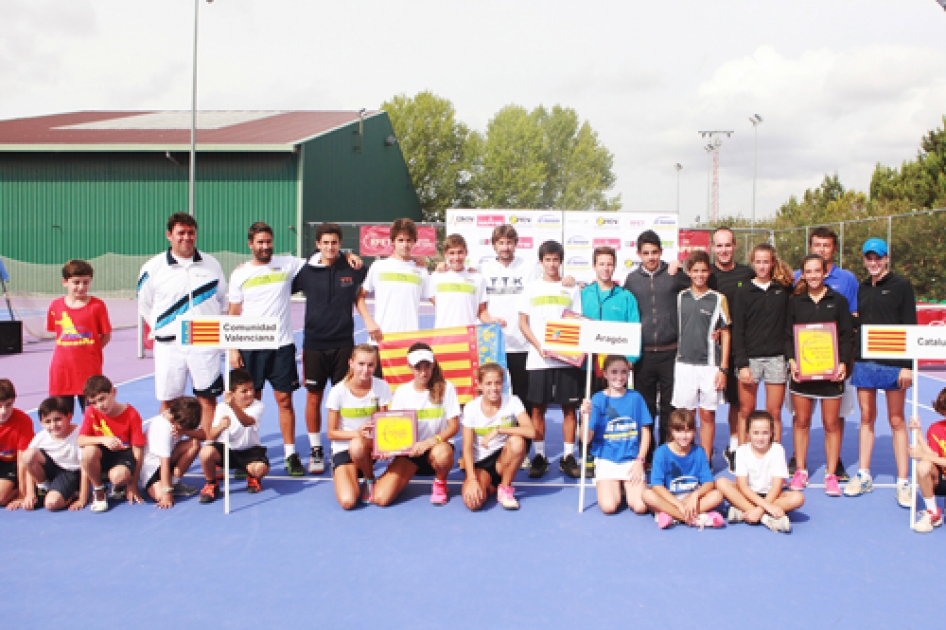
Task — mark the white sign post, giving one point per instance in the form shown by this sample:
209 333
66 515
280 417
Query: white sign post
911 342
229 333
602 338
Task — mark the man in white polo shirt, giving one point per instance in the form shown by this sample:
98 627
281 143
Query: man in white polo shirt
263 288
182 282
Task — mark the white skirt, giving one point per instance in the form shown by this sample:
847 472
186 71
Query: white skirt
606 470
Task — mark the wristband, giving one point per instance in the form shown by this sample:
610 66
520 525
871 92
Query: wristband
438 438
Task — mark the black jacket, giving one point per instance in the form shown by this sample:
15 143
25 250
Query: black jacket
758 322
832 307
891 301
330 294
657 301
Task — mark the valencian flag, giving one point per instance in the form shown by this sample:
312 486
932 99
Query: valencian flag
887 341
200 332
459 351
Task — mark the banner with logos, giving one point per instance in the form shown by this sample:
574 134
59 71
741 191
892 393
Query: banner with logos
693 239
579 232
376 241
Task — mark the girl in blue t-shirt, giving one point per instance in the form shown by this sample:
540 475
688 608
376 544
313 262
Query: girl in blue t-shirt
619 434
681 482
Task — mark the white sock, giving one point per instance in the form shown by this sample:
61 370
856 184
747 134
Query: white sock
569 449
902 482
315 439
733 443
289 449
863 472
539 448
930 503
175 480
44 485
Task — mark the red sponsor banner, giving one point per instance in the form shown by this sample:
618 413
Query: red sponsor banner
490 220
609 242
692 239
525 242
376 241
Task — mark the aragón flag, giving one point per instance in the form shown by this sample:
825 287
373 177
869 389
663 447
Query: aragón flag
459 351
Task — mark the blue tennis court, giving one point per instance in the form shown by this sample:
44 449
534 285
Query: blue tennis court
291 556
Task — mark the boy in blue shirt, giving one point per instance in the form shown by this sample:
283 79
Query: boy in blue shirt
619 431
682 488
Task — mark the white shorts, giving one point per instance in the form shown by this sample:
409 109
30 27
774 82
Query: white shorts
606 470
848 398
172 364
694 386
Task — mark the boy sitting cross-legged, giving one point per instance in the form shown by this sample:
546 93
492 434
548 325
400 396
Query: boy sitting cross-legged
112 444
174 438
240 413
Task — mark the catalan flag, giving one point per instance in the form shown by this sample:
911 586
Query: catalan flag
459 351
889 341
200 332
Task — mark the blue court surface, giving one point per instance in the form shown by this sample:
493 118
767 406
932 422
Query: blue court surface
291 557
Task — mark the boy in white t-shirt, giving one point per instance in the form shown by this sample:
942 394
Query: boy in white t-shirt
53 462
173 442
757 495
459 296
398 285
241 414
550 380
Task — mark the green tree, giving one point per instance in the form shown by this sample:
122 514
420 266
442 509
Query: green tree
513 170
439 150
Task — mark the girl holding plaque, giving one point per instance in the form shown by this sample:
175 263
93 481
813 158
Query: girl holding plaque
758 314
350 406
497 433
438 420
808 351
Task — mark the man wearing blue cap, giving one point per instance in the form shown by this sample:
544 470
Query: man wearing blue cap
884 298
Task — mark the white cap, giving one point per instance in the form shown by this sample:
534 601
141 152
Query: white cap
417 356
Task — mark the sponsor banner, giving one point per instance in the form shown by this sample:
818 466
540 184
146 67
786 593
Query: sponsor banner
693 239
583 231
903 342
376 241
533 227
241 333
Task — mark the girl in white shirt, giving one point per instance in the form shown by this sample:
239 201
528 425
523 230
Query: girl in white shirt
350 405
497 433
438 420
756 496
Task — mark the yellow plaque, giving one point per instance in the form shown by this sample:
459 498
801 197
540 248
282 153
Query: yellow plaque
395 432
816 351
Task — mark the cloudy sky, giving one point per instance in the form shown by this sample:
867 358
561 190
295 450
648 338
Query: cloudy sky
840 84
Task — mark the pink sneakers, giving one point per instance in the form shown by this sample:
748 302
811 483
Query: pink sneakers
831 487
438 494
664 520
799 480
506 499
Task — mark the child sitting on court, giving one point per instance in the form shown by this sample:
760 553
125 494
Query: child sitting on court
112 443
699 374
682 488
619 433
931 466
241 414
174 438
16 431
82 329
761 468
53 462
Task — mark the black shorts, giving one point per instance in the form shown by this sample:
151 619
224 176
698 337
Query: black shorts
560 386
732 388
940 489
8 471
240 459
111 459
319 366
343 458
154 478
489 464
424 469
58 479
519 377
276 366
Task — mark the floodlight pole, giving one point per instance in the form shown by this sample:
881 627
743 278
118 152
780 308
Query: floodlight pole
713 148
192 165
756 120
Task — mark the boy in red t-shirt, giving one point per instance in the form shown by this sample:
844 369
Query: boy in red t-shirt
931 466
16 431
82 329
112 443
